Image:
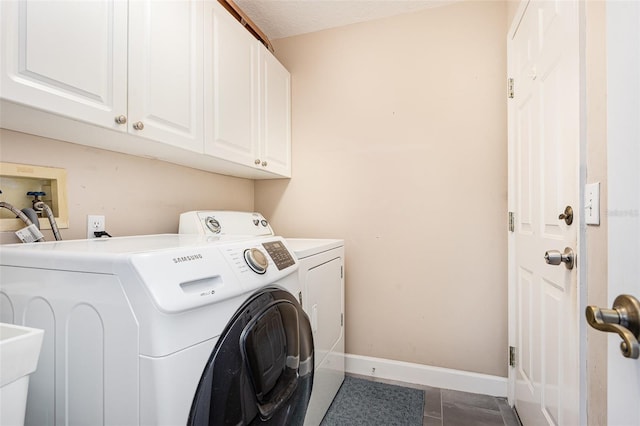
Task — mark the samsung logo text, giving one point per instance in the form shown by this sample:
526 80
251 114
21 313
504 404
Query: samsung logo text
188 258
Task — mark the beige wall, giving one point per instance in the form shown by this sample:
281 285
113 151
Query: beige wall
399 147
136 195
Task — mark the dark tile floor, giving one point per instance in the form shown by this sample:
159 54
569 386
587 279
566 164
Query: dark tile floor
443 407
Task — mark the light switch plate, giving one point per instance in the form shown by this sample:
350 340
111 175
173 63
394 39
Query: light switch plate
592 203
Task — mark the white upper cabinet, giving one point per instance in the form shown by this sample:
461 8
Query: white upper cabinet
70 58
232 105
248 108
177 80
275 141
66 57
166 72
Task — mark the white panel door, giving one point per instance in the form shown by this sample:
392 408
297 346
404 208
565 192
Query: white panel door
623 156
232 106
544 128
166 72
66 57
275 146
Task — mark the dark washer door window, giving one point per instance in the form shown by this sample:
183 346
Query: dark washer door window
261 369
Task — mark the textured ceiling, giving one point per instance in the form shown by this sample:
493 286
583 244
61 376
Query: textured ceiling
284 18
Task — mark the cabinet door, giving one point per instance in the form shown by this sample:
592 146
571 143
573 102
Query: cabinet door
275 146
232 104
166 72
66 57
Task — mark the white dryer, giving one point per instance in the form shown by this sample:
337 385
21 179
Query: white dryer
321 272
321 275
163 329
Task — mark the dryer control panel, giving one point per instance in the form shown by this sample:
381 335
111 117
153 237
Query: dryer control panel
223 222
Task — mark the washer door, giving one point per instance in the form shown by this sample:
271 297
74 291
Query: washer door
261 369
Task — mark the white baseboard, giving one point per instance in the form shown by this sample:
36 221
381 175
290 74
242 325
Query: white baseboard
419 374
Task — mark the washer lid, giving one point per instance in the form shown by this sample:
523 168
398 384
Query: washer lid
100 254
179 272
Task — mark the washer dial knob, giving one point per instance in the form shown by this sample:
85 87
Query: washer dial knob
212 224
256 260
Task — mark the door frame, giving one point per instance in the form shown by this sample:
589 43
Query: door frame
581 234
623 62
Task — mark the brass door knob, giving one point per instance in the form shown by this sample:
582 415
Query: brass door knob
554 257
623 319
567 215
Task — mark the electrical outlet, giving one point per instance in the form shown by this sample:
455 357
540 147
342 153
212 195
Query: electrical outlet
95 223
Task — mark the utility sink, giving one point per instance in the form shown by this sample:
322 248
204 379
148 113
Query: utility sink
19 352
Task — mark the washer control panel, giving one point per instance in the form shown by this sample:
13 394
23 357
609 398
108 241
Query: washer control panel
279 254
194 271
256 260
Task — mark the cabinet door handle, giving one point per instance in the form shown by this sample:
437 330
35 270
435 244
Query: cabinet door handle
138 125
257 161
264 164
121 119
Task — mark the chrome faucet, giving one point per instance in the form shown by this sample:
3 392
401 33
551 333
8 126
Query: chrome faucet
41 206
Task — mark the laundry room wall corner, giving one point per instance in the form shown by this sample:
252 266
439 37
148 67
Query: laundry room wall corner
399 148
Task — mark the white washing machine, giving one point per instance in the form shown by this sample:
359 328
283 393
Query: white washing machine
163 329
321 274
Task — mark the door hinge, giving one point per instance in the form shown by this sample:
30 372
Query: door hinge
512 356
341 272
510 88
341 320
512 222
